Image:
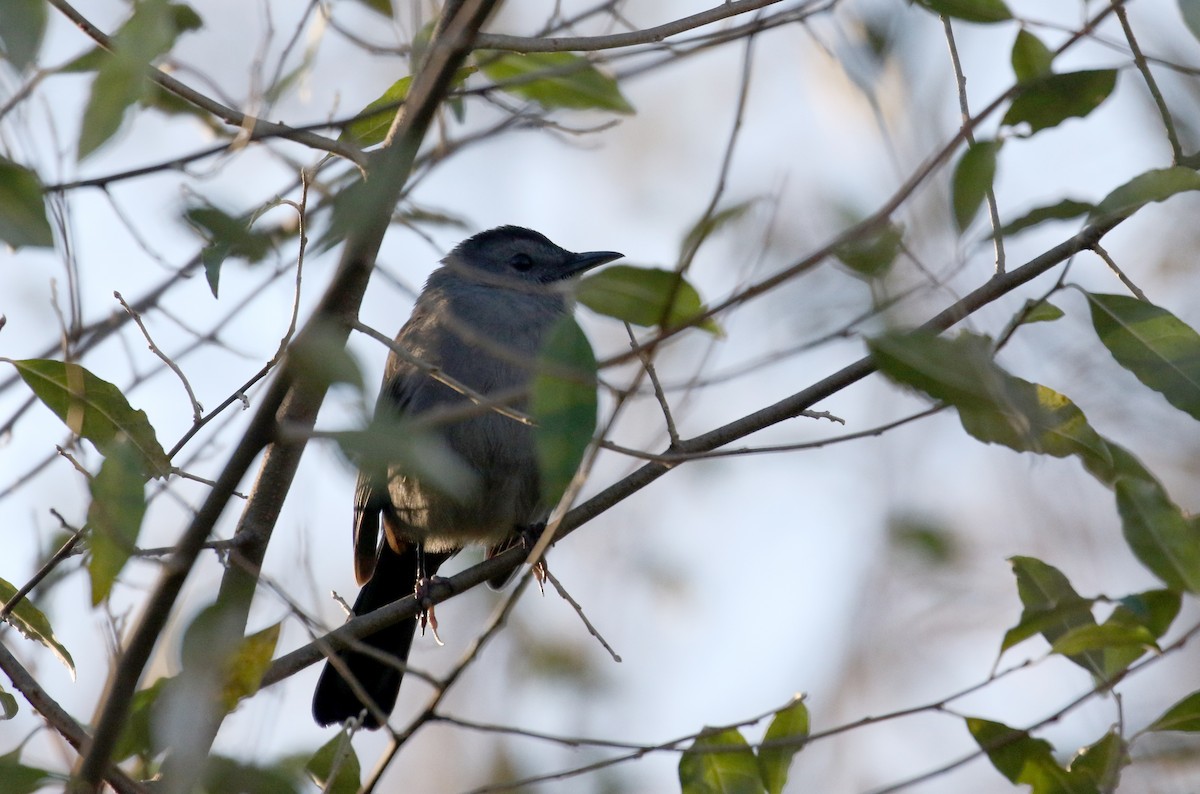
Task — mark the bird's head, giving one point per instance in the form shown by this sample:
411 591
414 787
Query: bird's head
514 256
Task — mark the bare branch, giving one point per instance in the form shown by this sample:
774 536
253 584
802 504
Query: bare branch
197 409
492 41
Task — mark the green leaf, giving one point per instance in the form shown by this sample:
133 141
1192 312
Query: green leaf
1153 344
227 236
335 767
1103 637
1159 535
29 620
182 16
1120 463
8 705
1056 620
1050 100
1190 9
118 85
1153 611
114 516
352 202
1012 751
706 226
563 403
982 11
554 80
1062 211
1052 608
1024 759
372 124
994 407
379 6
220 667
93 408
1030 58
321 358
245 668
121 79
22 25
184 19
923 538
16 778
973 177
1100 763
872 255
719 762
1183 716
1143 189
138 736
227 775
374 121
22 209
644 296
1039 311
89 61
790 724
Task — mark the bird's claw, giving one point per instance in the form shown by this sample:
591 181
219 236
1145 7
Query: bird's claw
529 535
427 616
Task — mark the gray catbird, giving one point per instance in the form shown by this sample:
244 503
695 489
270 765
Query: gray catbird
480 320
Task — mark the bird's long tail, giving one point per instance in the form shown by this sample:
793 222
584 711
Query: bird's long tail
335 700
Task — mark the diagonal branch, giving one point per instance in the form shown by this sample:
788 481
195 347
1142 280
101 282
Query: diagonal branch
781 411
59 719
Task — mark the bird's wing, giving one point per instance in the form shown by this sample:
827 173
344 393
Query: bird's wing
371 497
368 503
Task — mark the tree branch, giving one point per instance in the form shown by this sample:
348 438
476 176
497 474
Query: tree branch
254 128
787 408
494 41
58 718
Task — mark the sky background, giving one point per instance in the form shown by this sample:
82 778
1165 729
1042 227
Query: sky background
729 584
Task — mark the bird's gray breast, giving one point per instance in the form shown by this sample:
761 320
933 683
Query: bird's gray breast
488 342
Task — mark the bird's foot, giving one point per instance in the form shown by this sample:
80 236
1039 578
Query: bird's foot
427 616
528 536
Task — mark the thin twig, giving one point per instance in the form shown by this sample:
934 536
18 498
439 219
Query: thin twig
487 401
771 449
964 107
178 472
1115 268
562 591
63 552
1118 6
659 394
197 409
79 467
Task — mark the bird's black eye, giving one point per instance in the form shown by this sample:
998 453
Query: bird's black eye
521 262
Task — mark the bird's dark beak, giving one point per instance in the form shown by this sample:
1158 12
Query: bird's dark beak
578 263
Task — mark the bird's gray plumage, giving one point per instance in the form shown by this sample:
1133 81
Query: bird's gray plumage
480 320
